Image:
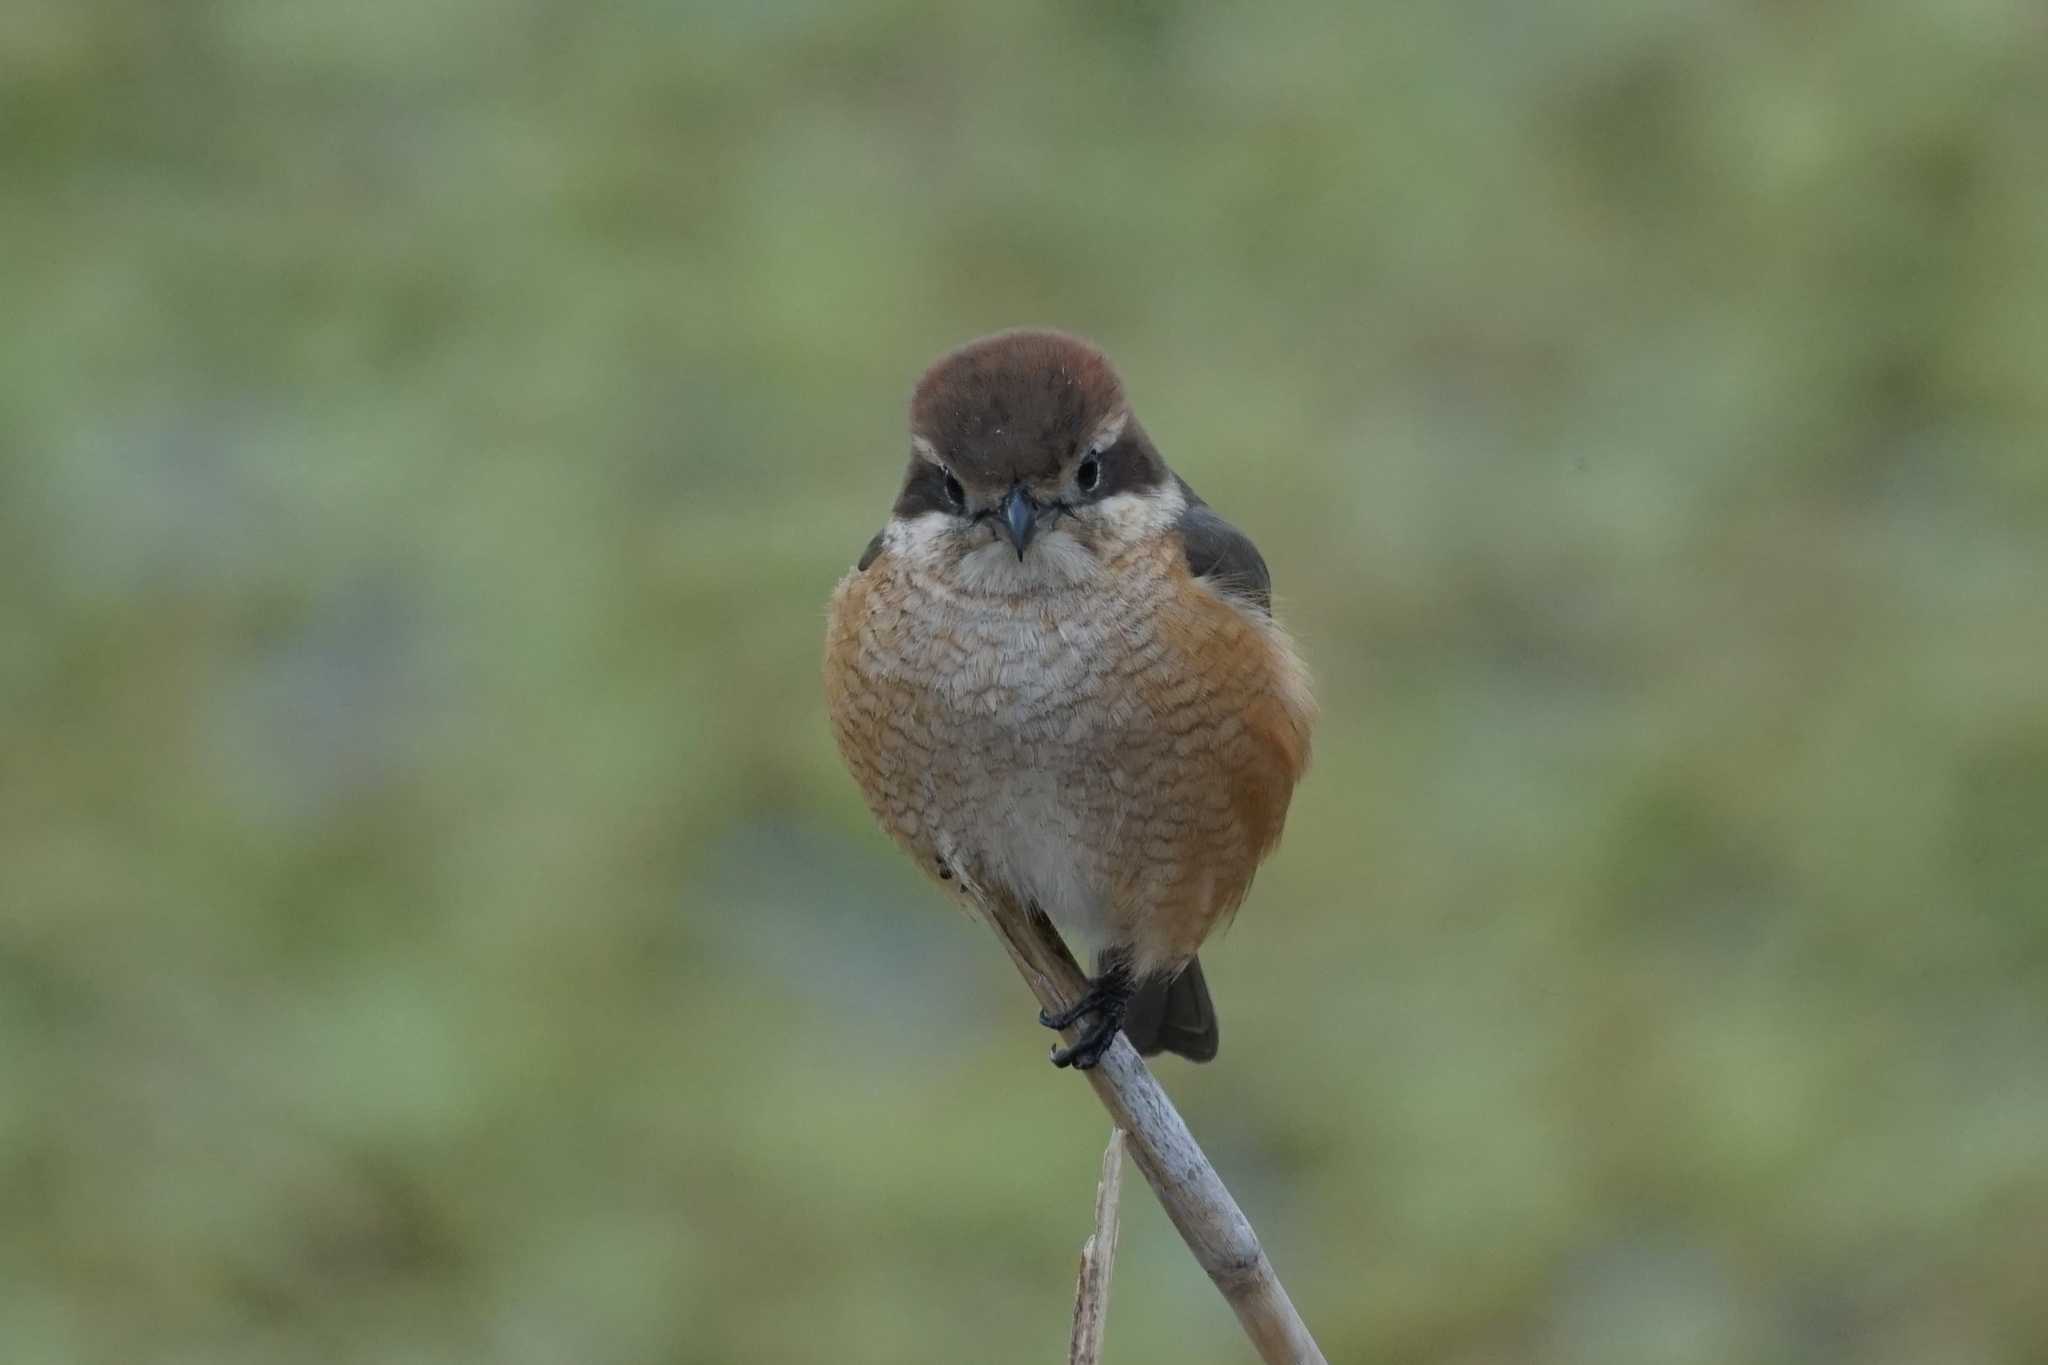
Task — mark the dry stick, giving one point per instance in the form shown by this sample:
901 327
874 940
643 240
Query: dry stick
1098 1259
1189 1189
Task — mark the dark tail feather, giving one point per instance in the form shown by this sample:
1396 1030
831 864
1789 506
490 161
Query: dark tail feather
1173 1014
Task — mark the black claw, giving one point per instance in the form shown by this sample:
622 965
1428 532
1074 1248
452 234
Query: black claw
1071 1015
1087 1050
1106 998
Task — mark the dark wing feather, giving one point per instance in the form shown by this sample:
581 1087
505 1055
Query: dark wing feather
1220 552
868 555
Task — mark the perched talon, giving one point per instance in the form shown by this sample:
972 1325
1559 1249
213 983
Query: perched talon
1086 1051
1107 997
1071 1015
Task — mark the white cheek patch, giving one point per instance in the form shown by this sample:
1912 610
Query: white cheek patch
1134 516
920 539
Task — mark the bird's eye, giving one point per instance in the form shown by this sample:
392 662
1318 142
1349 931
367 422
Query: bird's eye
955 494
1089 474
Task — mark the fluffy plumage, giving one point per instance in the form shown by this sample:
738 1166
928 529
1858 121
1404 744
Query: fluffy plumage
1101 719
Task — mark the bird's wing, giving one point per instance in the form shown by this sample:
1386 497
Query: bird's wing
868 555
1221 553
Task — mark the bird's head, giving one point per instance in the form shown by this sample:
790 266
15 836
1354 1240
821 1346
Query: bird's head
1027 467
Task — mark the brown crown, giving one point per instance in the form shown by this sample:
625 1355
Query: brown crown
1015 405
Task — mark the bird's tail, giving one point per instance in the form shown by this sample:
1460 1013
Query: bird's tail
1173 1014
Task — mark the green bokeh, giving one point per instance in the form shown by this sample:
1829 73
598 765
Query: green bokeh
434 925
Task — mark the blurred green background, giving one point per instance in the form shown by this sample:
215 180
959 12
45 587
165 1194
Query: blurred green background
435 924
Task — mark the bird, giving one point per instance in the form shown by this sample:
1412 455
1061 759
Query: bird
1056 676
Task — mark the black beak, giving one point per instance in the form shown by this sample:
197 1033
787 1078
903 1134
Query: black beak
1019 519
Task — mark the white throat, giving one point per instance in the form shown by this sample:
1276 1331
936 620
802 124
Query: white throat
1055 560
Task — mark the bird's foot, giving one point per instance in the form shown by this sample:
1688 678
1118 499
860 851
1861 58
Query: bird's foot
1103 1003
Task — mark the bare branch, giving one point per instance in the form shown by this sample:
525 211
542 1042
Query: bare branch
1189 1189
1098 1259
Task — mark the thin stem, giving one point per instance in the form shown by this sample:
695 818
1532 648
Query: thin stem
1098 1259
1190 1191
